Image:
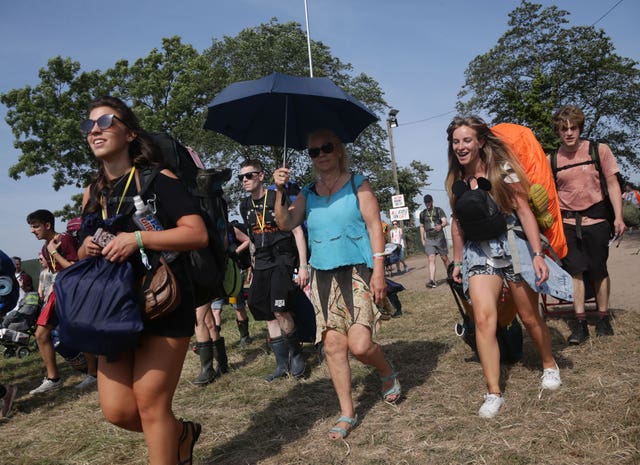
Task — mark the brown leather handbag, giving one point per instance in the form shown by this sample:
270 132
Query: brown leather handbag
160 291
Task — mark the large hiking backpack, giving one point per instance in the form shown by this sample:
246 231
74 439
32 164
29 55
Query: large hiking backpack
213 273
533 160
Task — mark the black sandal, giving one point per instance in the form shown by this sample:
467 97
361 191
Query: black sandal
195 429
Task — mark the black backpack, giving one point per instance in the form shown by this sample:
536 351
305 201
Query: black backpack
213 273
478 214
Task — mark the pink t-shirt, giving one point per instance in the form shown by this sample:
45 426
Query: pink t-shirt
579 187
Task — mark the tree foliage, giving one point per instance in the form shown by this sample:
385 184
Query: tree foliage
540 64
169 90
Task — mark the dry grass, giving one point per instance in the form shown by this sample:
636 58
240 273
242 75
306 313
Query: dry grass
593 419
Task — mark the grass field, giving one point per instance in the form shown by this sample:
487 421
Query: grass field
593 419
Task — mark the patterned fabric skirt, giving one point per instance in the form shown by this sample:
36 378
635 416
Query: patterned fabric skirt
341 298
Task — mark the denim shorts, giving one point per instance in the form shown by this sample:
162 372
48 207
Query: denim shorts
505 273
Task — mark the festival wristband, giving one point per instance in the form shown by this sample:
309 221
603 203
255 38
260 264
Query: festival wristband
538 254
378 255
145 259
458 264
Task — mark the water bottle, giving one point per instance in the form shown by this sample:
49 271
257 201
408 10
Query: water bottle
146 220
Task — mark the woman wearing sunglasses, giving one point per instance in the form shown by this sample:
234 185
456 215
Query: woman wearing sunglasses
347 259
136 389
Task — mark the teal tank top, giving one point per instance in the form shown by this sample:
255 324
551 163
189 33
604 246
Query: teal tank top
337 232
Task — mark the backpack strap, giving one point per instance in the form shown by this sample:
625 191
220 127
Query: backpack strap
595 157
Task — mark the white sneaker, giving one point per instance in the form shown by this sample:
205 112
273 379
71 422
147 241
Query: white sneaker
551 378
492 405
87 382
46 386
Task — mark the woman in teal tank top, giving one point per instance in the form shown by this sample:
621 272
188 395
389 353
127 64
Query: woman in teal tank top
347 278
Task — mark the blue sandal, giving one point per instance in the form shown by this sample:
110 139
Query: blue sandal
394 391
341 431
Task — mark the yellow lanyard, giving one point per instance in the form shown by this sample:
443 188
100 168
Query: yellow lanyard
126 188
264 211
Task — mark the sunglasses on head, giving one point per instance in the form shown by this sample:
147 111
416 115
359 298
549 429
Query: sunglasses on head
103 122
326 148
248 175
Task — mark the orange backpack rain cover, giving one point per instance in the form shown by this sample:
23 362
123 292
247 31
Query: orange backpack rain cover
526 147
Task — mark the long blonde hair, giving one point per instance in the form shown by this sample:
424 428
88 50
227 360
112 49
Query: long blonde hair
496 156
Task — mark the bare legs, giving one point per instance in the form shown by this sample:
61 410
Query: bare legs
485 291
337 346
136 393
47 352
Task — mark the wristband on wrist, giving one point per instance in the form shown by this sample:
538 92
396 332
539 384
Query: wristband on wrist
379 255
538 254
458 264
53 253
145 259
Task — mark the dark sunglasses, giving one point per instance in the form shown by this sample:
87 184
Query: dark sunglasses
104 122
248 175
326 148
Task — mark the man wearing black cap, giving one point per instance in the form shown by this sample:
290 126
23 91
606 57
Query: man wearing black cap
432 223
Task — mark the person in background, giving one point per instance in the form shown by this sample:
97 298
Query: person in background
482 166
276 256
136 388
210 346
631 195
433 220
24 279
397 237
347 259
45 280
60 252
584 211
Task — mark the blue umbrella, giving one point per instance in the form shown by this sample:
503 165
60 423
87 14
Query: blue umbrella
280 110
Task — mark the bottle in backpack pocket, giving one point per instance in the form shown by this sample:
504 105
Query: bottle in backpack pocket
146 220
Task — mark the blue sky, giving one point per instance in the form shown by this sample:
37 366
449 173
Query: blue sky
417 50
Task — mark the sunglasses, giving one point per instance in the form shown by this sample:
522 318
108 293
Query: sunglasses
326 148
104 122
248 175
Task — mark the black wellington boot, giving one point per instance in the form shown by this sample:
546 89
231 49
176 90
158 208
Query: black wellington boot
220 355
296 359
207 373
280 348
243 329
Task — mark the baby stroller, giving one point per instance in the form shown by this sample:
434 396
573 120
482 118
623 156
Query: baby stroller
391 257
18 327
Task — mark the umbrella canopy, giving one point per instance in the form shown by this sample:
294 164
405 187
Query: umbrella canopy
280 110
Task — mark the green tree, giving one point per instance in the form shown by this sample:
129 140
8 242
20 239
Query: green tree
169 90
540 64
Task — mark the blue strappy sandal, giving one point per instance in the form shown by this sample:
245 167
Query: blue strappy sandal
394 391
341 431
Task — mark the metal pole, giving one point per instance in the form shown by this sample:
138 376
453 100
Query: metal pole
306 17
393 157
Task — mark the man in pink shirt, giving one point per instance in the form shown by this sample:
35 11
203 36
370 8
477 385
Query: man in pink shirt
585 209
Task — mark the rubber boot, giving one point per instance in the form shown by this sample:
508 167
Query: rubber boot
280 348
220 355
207 373
243 329
296 359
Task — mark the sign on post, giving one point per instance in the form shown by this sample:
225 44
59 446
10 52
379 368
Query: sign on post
397 200
399 214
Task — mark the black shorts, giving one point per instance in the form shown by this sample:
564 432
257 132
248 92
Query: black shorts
589 254
270 291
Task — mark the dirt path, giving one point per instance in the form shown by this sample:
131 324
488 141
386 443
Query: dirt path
623 263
